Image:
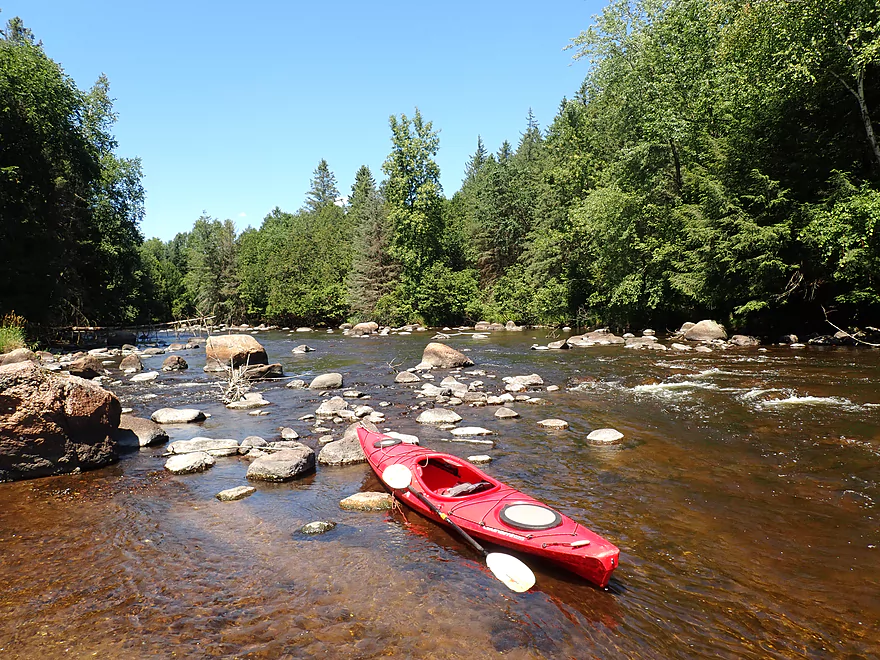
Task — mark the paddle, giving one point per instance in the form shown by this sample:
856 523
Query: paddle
510 570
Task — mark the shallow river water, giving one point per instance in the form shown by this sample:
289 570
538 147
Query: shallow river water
743 501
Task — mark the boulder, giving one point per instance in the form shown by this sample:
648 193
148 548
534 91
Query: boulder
223 351
250 442
442 356
513 327
18 355
297 384
506 413
283 465
237 493
367 502
174 363
367 328
406 377
197 461
439 416
177 416
561 344
346 451
154 351
302 348
87 366
53 424
480 459
706 331
139 432
131 363
331 381
744 340
331 407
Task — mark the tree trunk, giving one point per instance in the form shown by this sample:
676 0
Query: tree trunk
866 119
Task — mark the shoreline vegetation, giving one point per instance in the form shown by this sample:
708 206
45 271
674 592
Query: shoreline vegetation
719 161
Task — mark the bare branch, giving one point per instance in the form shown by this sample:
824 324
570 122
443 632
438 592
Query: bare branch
855 339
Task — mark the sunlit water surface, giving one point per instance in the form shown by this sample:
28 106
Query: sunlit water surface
743 501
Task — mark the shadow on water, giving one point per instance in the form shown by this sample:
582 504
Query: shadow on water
743 500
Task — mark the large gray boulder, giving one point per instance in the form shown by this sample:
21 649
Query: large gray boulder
283 465
367 328
131 363
214 447
198 461
406 377
332 381
442 356
223 351
87 366
346 451
706 331
138 432
53 424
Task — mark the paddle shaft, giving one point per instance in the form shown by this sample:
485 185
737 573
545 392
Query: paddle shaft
467 537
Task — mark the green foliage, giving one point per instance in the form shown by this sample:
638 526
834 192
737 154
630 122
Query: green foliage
445 296
12 332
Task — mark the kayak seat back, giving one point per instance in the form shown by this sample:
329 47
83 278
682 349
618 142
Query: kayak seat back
443 478
466 488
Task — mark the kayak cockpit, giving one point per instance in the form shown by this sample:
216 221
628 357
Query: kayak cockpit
445 478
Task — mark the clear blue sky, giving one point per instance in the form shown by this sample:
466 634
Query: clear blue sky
231 105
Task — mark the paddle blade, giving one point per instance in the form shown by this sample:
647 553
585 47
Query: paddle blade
397 476
511 571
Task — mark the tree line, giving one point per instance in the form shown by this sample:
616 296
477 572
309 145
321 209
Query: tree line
719 160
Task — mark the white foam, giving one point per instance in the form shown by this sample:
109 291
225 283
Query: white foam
675 386
796 400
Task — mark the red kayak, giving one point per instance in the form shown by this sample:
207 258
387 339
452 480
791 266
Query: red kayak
491 510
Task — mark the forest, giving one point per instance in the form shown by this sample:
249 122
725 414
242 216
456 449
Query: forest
719 160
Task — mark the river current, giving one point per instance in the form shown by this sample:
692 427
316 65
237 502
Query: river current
743 499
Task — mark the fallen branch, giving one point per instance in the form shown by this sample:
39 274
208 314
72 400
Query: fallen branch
854 338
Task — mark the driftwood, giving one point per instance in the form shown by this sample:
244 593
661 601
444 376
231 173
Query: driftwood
854 338
238 383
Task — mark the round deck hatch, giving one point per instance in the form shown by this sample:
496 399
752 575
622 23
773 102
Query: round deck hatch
386 442
529 516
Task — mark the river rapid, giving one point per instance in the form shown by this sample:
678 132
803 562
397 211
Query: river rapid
743 499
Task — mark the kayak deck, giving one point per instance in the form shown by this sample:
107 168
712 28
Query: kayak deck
491 510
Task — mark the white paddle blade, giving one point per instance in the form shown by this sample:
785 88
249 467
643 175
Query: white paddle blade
511 571
398 477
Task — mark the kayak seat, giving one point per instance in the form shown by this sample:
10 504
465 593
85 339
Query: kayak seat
465 488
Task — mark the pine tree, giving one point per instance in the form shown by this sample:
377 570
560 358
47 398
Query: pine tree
323 191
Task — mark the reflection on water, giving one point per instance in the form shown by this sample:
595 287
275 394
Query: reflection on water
743 501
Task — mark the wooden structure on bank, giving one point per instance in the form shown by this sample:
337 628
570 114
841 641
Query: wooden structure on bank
100 335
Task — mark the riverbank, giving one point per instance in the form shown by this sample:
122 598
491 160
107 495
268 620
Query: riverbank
742 500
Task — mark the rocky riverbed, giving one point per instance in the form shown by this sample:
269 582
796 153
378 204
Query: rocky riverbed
741 494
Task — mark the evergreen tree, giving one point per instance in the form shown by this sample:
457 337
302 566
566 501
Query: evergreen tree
323 191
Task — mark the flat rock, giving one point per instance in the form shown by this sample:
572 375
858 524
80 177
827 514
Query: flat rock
605 436
480 459
188 463
237 493
215 447
555 424
532 380
367 502
177 416
466 431
439 416
297 384
146 377
406 377
283 465
331 381
250 401
506 413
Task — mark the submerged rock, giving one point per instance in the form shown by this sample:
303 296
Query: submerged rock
605 436
218 447
237 493
554 424
317 527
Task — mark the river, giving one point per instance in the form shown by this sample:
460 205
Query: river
743 500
